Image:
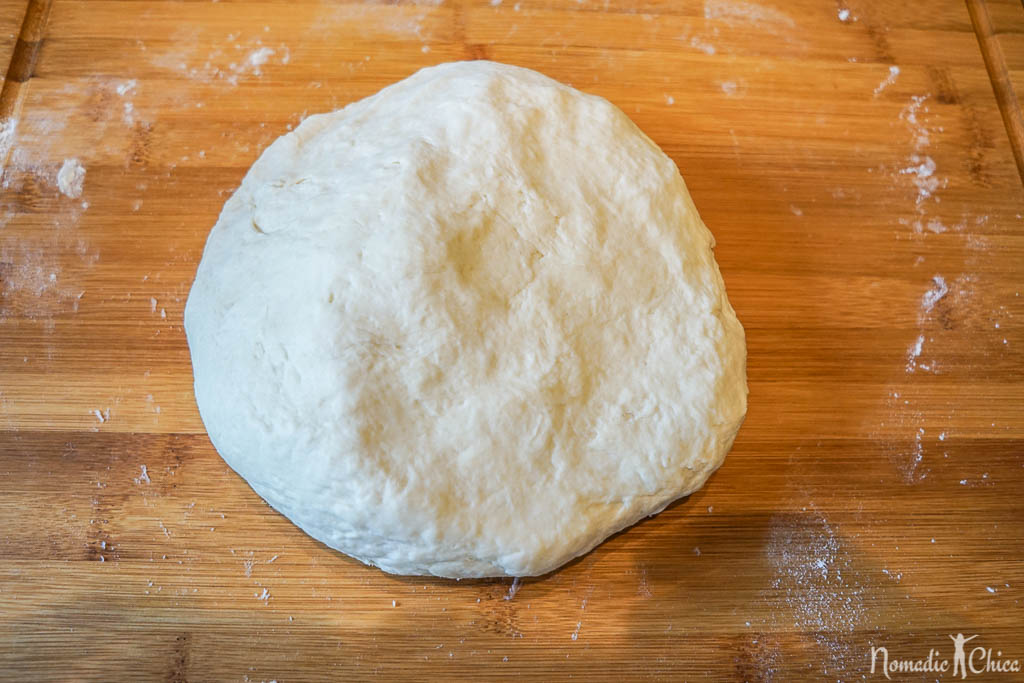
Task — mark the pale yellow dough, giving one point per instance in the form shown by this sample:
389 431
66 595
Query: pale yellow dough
469 326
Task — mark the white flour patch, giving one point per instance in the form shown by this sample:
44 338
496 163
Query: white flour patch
931 297
70 178
127 87
514 588
734 88
821 591
125 90
33 284
733 13
920 168
911 114
143 478
232 62
8 130
922 173
917 452
906 453
844 15
31 273
699 43
903 432
914 352
254 61
894 72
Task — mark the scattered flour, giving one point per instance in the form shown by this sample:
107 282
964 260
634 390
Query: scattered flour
844 14
922 172
914 352
821 590
70 178
243 60
921 136
920 168
903 416
144 477
254 61
894 71
931 297
732 13
127 88
699 44
513 589
643 588
8 129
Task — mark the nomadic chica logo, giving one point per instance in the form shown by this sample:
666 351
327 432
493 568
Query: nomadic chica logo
974 662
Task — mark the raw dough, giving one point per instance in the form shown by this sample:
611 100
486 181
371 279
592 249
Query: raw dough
469 326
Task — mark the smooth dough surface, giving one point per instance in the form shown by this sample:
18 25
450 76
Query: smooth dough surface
469 326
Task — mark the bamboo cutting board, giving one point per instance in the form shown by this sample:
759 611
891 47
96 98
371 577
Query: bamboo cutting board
850 158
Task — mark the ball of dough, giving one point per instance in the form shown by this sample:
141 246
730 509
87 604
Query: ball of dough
469 326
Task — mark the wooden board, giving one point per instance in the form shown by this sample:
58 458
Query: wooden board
1008 23
11 14
869 231
1000 28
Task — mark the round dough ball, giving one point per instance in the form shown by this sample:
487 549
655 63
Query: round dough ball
469 326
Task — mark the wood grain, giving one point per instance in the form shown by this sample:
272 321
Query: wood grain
1007 19
871 497
994 44
11 14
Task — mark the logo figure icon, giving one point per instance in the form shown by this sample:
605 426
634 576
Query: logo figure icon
959 660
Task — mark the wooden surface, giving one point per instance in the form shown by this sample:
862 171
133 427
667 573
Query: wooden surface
870 234
997 25
1009 31
11 14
